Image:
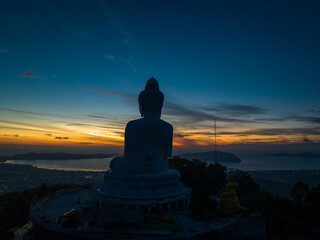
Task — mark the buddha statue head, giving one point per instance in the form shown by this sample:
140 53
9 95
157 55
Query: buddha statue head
151 98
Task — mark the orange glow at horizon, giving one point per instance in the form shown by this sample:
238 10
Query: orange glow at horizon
77 136
71 132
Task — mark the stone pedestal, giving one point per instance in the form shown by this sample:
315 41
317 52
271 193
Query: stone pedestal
151 192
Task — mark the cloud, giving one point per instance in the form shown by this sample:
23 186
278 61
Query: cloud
274 131
235 109
204 113
272 119
128 41
61 138
17 111
48 134
307 119
307 140
283 139
112 123
109 57
133 68
31 113
170 109
6 135
98 116
311 110
204 133
182 135
107 91
194 114
295 117
3 50
31 74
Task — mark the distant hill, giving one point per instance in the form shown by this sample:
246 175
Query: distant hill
299 155
280 182
52 156
210 156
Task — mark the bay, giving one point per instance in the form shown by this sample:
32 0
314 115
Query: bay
91 164
249 163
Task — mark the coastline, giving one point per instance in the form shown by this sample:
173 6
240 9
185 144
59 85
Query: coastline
17 177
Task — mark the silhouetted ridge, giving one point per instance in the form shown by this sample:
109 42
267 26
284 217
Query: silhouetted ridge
210 156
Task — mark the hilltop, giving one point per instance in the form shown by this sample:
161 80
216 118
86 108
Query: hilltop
210 156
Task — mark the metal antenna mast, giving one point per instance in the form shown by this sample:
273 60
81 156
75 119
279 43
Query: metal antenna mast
215 141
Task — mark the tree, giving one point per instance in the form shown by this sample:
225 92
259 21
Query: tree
244 181
299 192
313 199
197 174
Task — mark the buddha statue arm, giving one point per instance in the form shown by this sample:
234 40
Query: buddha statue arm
129 142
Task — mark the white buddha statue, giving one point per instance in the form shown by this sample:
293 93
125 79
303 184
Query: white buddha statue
148 140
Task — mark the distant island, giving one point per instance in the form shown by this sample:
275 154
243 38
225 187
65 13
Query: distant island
53 156
210 156
298 155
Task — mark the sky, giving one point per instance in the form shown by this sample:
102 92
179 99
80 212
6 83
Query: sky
71 71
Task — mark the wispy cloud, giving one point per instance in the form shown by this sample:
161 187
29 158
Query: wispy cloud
294 117
307 140
129 62
271 119
314 111
192 113
235 109
109 57
301 118
107 91
32 74
180 135
3 50
274 131
192 117
129 42
170 109
60 138
7 135
31 113
85 143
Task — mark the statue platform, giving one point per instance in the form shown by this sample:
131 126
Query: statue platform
151 192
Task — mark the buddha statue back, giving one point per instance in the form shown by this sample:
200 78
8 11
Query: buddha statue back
141 178
148 140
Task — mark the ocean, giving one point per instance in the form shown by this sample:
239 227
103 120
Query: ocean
249 163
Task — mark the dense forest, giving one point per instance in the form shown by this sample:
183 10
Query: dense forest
298 215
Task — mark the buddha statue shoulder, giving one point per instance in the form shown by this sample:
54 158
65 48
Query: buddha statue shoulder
148 140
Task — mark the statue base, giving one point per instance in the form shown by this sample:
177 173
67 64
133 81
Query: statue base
151 192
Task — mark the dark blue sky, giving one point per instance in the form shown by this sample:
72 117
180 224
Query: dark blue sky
253 65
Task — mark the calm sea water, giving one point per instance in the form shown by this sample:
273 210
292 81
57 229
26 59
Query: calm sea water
259 162
263 162
91 164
